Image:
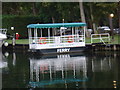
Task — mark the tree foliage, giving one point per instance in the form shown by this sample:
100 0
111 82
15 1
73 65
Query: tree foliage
53 12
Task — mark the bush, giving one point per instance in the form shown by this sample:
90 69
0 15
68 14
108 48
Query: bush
19 23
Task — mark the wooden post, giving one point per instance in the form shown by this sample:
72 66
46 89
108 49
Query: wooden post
13 41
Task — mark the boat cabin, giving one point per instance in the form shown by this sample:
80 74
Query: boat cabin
56 37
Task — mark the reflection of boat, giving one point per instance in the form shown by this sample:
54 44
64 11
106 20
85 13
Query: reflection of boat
65 69
101 64
61 70
3 62
2 36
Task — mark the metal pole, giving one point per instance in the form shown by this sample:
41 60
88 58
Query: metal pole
41 32
36 36
13 39
72 30
111 25
63 20
29 35
84 33
49 34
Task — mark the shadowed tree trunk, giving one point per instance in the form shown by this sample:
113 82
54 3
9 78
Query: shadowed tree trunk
53 31
119 12
83 16
0 14
0 8
34 8
53 20
92 19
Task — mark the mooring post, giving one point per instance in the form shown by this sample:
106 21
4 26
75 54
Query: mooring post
114 47
13 39
93 47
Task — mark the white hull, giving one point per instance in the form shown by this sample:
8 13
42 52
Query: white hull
52 46
2 37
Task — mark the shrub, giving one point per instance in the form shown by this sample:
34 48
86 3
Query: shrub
19 23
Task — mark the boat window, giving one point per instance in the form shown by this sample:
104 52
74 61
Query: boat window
48 32
80 31
39 31
32 32
67 31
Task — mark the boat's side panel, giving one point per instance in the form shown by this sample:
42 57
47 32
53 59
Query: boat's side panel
53 46
61 50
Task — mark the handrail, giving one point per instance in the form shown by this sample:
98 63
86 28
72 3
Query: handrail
4 31
57 39
100 37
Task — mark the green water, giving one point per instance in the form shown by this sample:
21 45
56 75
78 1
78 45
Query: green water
81 70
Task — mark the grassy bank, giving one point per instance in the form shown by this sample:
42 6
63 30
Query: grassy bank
19 41
88 40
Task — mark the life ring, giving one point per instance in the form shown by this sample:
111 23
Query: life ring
70 39
42 40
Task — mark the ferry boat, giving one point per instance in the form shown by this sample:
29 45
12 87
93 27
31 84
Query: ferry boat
2 36
56 37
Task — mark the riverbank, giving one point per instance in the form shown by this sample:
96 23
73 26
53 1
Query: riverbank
23 44
116 40
89 47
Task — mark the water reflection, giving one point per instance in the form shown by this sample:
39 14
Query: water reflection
65 69
14 58
17 74
101 65
3 61
86 70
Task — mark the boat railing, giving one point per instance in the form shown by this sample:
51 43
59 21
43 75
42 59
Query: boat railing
56 39
3 31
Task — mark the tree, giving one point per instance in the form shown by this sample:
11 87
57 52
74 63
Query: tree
92 18
95 12
34 8
83 15
119 15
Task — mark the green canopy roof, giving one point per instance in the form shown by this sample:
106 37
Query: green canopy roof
56 25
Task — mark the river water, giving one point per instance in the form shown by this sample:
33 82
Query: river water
99 69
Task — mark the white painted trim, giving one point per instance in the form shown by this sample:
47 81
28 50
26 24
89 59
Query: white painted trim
52 46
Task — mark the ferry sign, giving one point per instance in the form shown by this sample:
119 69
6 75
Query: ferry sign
63 50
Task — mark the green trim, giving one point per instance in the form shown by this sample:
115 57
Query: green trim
56 25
